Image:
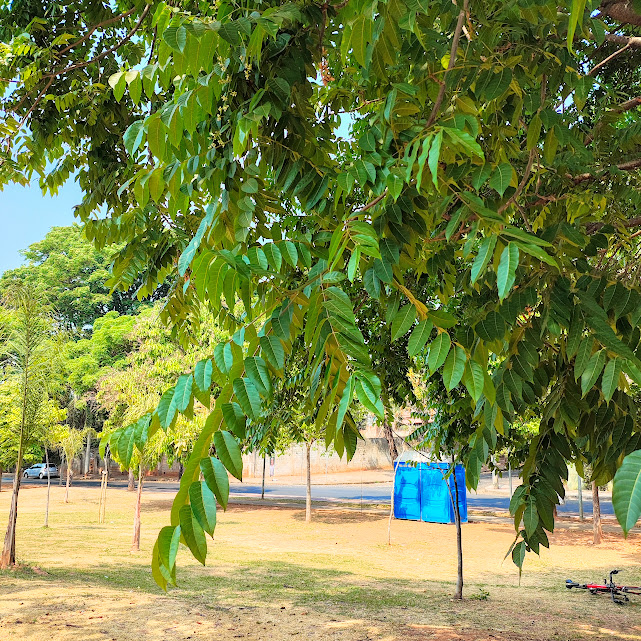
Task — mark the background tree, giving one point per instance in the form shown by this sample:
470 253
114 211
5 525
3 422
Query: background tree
70 441
30 356
72 274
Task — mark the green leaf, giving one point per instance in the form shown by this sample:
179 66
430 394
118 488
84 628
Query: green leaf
434 155
175 37
626 496
234 418
577 8
454 368
203 505
168 543
583 356
530 517
419 337
518 554
368 391
228 452
248 397
216 477
610 379
483 257
492 327
256 369
193 533
501 177
133 136
289 252
592 371
273 256
360 36
441 318
506 272
166 409
273 350
439 348
202 374
474 380
403 320
183 392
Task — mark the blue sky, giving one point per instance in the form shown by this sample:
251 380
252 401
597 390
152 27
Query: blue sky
26 216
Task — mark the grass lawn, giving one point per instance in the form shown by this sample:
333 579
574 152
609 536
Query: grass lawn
271 576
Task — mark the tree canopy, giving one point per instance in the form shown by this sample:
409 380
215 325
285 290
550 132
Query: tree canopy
485 199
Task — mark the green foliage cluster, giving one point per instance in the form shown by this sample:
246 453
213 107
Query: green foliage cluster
484 206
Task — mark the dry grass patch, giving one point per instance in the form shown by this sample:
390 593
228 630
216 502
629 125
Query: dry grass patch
271 576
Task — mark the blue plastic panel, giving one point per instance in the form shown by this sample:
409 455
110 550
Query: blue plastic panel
407 496
435 499
421 493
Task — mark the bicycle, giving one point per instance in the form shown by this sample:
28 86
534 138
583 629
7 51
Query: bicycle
619 593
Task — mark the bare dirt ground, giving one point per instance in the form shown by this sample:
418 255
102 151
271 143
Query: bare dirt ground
271 576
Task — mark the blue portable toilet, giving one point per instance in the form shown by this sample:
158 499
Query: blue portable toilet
421 490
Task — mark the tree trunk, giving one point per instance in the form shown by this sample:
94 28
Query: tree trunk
580 493
87 454
0 478
509 476
308 498
62 462
389 435
596 514
391 509
135 544
495 476
131 485
459 542
262 491
48 487
8 557
68 481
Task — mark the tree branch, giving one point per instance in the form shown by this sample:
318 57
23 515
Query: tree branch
450 65
521 185
372 203
89 33
606 60
629 165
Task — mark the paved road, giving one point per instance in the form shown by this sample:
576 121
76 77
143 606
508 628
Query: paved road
369 492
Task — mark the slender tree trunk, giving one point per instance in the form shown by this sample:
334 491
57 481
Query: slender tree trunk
68 481
596 514
87 454
62 462
459 541
580 493
262 491
8 557
135 544
391 510
131 486
495 476
509 476
308 498
48 487
0 478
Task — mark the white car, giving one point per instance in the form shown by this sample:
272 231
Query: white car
39 470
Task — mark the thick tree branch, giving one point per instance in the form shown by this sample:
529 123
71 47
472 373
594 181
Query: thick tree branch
450 65
630 165
620 10
632 41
